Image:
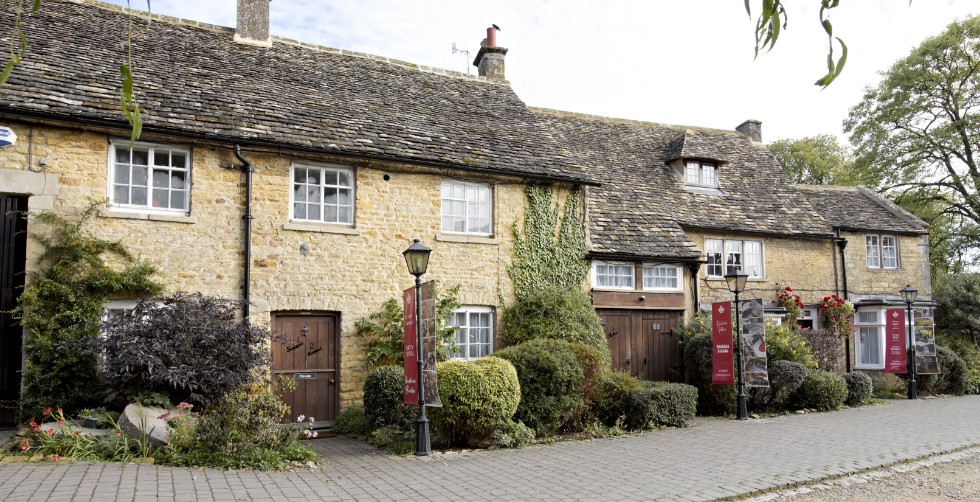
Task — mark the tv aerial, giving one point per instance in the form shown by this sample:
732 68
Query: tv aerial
466 55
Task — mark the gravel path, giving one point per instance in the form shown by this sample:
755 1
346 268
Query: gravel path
954 476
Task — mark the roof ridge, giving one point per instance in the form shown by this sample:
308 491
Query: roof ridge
839 188
620 120
287 41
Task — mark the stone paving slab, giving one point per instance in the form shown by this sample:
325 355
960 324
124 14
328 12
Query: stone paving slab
715 458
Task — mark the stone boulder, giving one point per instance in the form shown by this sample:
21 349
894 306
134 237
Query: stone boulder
136 419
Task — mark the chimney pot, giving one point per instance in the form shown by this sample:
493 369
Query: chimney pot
490 59
752 129
253 23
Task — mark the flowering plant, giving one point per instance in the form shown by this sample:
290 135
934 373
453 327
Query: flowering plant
308 431
787 299
838 315
181 423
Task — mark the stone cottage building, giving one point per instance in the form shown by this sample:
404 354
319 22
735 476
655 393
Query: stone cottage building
294 176
679 207
289 175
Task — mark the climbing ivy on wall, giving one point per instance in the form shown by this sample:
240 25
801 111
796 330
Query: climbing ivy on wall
61 309
550 248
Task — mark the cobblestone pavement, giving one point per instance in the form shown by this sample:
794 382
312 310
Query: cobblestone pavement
715 458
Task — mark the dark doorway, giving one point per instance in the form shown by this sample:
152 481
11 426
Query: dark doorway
643 342
309 353
13 260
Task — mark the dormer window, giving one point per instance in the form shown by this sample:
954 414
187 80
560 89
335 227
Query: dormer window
700 174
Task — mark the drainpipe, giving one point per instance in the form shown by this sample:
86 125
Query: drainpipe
841 244
695 267
246 167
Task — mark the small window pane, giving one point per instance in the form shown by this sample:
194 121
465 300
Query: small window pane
346 179
140 157
177 199
330 195
139 176
161 158
299 175
299 211
122 175
138 196
122 156
161 179
177 179
120 194
178 160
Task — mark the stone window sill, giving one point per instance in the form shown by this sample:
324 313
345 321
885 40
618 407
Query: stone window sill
319 228
467 239
175 218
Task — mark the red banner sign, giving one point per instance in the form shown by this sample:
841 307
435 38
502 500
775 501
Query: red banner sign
722 367
896 357
411 356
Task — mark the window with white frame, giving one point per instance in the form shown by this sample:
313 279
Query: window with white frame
612 275
322 194
729 256
474 332
714 253
869 341
663 277
807 319
466 207
149 177
700 174
882 251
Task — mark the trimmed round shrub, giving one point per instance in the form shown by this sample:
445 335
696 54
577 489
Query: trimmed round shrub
785 377
384 392
821 390
478 397
551 383
859 388
558 314
672 404
622 400
712 399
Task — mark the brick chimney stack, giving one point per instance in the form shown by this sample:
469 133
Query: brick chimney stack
490 59
253 23
752 129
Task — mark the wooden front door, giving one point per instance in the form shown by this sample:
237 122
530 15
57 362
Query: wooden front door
643 343
13 259
309 353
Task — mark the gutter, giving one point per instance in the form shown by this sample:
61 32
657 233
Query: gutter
112 125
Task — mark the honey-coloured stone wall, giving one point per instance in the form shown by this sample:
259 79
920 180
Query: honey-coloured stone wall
295 266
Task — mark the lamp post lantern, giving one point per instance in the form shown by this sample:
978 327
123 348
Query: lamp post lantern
736 284
908 296
417 259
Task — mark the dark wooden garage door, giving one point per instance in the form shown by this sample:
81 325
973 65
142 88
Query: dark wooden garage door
642 342
309 354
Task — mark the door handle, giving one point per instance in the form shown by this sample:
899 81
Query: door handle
331 381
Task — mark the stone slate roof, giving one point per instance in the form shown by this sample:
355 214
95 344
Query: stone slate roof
694 145
858 208
642 209
193 80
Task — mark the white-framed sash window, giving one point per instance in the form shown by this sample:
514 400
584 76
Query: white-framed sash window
728 256
700 174
882 251
474 332
323 194
149 177
467 208
663 278
613 275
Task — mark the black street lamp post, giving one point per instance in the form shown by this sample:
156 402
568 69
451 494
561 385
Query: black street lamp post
736 284
417 258
908 296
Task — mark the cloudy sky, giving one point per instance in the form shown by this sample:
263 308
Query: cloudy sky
674 62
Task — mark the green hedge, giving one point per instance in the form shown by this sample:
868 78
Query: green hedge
952 377
551 383
785 377
384 391
558 314
478 397
636 404
674 404
821 390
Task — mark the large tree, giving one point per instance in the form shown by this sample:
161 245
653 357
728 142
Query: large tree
815 160
916 133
